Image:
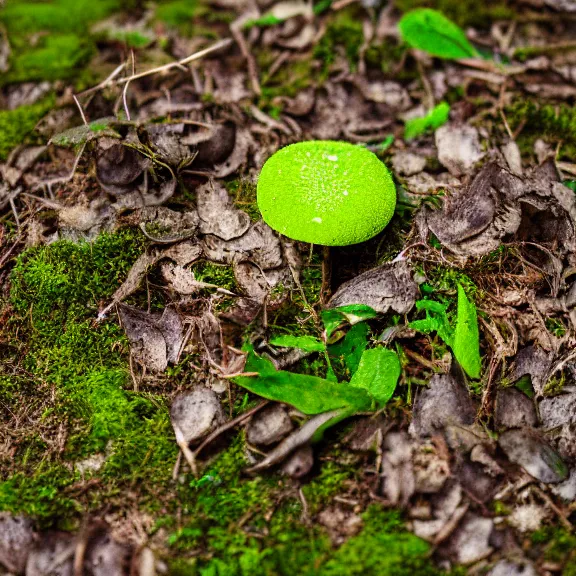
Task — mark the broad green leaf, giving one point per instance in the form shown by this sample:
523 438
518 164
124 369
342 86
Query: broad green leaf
352 346
378 374
309 394
306 343
433 120
430 31
466 346
352 313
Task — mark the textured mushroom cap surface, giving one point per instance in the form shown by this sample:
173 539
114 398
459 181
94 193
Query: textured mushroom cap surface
325 192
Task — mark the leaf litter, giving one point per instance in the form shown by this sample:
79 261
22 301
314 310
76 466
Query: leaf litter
445 343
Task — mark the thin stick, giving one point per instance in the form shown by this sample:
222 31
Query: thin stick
252 71
188 454
228 425
125 91
196 56
6 256
81 111
105 82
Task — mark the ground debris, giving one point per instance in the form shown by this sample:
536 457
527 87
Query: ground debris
217 213
458 148
155 339
386 287
196 413
512 568
527 449
471 540
498 205
514 410
269 426
17 537
446 401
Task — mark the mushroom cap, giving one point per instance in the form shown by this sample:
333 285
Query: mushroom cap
326 192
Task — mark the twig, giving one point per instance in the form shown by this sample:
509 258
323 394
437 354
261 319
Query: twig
81 111
63 179
105 82
14 211
228 425
561 516
125 91
196 56
188 454
6 256
252 71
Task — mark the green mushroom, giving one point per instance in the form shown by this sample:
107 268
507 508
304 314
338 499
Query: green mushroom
326 192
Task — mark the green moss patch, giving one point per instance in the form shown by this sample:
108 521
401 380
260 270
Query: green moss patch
343 33
50 40
554 123
72 375
256 526
16 125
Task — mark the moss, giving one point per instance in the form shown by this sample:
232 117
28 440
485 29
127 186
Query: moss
221 276
387 56
344 33
76 379
225 522
288 81
383 547
327 484
16 125
243 192
556 545
51 40
178 14
465 13
55 57
554 123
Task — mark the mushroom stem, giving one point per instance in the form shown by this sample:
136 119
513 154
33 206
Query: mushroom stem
325 291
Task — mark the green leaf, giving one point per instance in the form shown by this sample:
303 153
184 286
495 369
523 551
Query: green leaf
263 21
436 321
306 343
352 346
378 374
321 6
433 120
309 394
466 336
352 313
570 184
524 384
430 31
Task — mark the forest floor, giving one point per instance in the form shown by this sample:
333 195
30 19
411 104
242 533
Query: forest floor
141 293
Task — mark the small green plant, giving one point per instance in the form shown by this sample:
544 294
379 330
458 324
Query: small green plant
430 31
431 121
464 338
374 374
